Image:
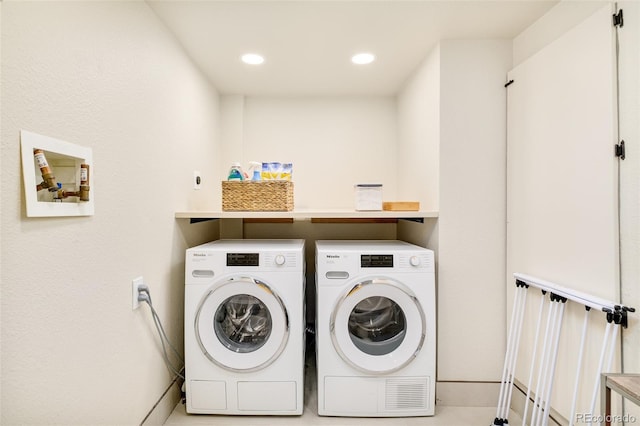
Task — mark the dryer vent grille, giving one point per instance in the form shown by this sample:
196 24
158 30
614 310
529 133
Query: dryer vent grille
407 393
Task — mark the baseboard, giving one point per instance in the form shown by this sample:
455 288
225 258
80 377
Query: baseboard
467 394
165 405
519 398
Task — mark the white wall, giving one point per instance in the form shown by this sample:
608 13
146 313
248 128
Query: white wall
106 75
566 14
472 209
333 142
419 134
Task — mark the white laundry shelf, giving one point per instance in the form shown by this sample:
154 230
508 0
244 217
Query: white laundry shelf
196 216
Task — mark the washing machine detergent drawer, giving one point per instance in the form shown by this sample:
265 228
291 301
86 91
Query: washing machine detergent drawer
377 396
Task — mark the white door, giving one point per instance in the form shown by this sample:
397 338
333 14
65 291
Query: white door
378 326
242 324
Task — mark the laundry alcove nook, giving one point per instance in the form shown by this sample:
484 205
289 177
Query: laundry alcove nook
414 145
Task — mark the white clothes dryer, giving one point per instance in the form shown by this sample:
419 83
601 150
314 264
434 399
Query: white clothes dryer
375 329
244 327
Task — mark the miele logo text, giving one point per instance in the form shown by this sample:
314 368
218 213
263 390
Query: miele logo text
199 254
333 256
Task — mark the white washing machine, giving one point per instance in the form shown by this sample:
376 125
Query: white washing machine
375 329
244 327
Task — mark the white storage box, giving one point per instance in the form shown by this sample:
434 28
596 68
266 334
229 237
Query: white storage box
368 196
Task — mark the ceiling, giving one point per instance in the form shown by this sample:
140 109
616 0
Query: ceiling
308 44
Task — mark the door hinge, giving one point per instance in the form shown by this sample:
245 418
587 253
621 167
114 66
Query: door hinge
618 19
620 150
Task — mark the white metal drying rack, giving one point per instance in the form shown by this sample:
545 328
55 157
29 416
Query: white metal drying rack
616 315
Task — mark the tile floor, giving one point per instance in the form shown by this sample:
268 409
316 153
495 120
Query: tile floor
445 415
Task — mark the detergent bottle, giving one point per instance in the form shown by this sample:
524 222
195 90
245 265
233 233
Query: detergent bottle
235 172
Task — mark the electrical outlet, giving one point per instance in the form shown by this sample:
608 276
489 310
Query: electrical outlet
197 180
135 284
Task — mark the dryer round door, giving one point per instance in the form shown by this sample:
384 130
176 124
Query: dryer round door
378 326
242 324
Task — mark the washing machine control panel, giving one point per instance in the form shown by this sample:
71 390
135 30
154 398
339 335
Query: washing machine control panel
267 259
243 259
203 265
376 261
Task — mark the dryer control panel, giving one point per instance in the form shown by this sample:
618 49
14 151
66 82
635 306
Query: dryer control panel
341 259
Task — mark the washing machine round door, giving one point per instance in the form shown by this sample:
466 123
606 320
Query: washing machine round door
242 324
378 326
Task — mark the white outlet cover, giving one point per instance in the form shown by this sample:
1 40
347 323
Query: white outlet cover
135 304
197 180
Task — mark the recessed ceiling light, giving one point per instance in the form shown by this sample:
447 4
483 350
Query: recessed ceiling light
363 58
252 59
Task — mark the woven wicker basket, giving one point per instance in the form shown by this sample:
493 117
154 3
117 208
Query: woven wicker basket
267 195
